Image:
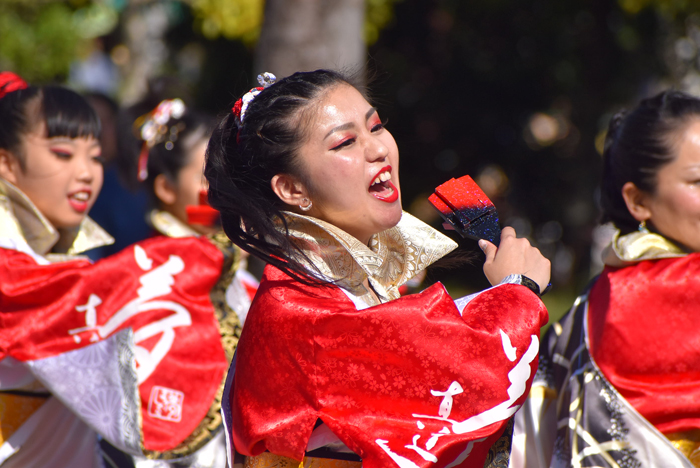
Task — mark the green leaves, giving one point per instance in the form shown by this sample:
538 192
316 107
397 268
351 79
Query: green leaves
40 39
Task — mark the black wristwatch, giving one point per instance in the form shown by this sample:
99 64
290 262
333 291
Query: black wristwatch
530 284
527 282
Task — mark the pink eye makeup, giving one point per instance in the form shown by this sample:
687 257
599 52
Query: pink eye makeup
345 141
61 153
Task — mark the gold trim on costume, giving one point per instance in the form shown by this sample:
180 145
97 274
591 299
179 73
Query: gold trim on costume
393 256
688 443
20 219
638 246
169 225
542 393
15 410
269 460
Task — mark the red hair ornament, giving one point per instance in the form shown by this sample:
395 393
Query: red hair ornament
241 106
10 82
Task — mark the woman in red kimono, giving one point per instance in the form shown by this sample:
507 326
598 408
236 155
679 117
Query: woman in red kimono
619 380
334 368
133 348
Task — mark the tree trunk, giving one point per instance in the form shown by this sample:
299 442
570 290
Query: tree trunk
303 35
145 25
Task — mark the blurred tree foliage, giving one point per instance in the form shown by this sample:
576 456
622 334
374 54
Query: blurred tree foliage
239 19
242 19
38 39
41 39
666 7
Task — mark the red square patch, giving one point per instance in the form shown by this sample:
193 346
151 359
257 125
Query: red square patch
166 403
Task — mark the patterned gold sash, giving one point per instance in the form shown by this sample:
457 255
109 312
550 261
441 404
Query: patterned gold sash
688 443
269 460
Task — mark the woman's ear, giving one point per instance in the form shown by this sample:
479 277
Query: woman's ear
289 189
164 190
637 202
9 165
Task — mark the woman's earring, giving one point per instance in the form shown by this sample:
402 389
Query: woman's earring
643 227
306 207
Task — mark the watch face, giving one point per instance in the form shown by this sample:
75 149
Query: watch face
530 284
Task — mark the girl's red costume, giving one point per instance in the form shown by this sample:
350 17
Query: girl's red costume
148 298
133 347
417 381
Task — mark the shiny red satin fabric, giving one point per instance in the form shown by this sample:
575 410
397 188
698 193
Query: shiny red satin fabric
40 309
644 323
307 353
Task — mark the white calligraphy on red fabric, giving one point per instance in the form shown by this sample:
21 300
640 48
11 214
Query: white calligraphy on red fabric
518 377
155 283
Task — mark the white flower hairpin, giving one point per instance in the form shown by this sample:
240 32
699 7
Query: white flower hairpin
153 129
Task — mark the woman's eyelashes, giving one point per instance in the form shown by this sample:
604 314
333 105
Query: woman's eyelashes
379 125
374 127
343 144
61 154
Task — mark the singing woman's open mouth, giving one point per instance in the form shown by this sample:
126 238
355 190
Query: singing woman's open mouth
382 188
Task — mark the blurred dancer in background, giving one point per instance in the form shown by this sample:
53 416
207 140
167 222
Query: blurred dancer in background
167 148
121 206
618 383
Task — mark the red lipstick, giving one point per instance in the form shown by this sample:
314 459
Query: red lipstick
384 191
383 169
77 203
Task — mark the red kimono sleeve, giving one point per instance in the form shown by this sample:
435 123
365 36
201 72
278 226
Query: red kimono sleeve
643 321
158 288
410 382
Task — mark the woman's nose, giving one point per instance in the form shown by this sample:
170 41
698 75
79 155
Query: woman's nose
85 170
376 150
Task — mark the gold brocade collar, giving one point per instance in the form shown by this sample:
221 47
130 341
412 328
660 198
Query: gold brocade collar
20 219
638 246
168 225
393 256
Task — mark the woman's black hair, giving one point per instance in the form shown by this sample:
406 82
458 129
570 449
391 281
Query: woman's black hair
167 157
242 161
637 145
65 112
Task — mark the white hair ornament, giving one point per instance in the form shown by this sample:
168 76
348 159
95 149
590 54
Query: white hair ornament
153 129
241 106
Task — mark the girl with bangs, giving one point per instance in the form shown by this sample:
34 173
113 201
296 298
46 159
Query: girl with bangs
126 355
50 169
50 176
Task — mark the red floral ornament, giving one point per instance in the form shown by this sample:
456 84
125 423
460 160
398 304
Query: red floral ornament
10 82
266 80
240 107
236 109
